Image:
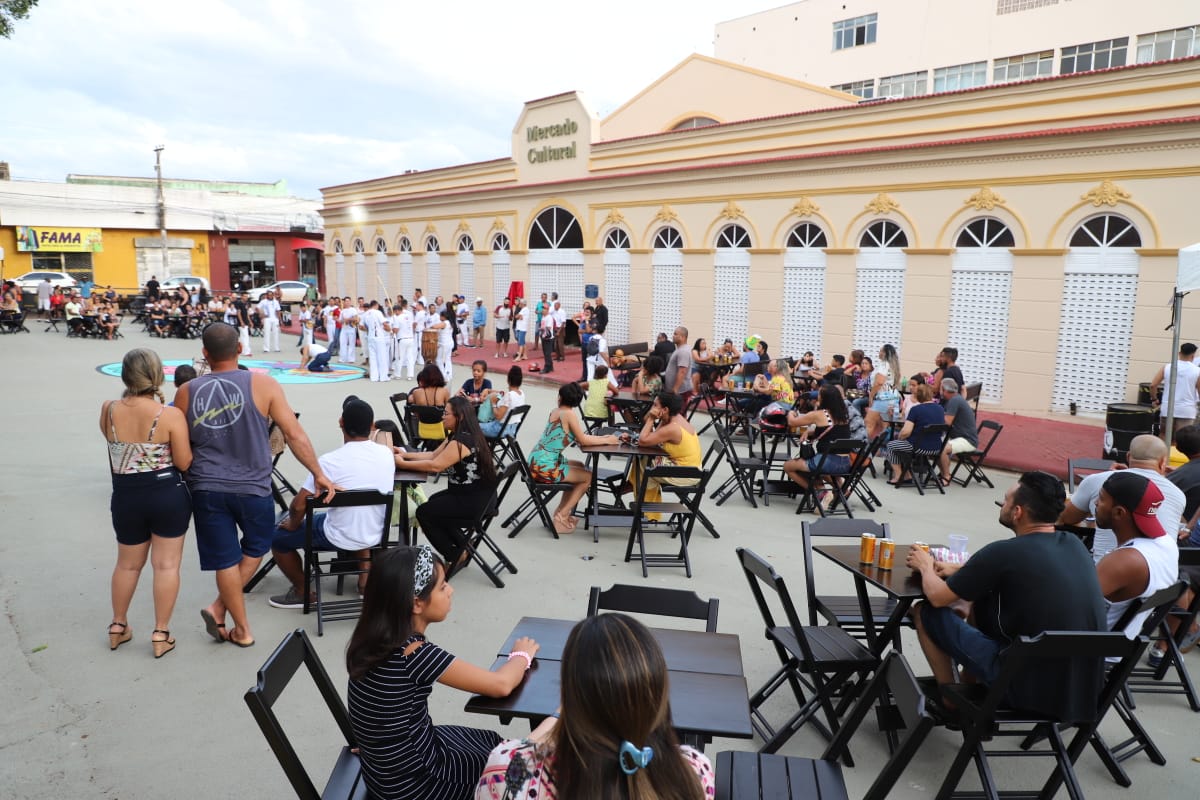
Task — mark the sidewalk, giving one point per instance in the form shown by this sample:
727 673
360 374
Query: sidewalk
1026 443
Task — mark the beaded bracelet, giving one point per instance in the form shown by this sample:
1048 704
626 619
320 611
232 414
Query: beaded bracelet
522 654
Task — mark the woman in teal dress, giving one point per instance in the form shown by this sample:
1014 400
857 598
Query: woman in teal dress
547 463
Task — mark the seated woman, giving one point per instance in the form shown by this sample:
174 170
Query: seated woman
471 476
547 463
613 735
503 402
392 670
477 387
431 391
829 422
599 389
776 389
701 357
648 382
925 411
666 427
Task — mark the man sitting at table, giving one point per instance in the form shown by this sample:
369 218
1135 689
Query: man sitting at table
964 437
358 464
1041 580
664 348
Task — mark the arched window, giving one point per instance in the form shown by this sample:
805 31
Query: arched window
500 242
338 247
432 245
380 246
616 239
668 239
555 229
694 122
405 244
359 247
985 232
733 236
465 242
883 234
1107 230
807 234
501 266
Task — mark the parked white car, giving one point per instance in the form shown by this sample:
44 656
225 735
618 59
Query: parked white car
30 280
184 283
285 291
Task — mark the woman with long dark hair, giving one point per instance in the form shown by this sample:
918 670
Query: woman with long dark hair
613 737
392 670
471 481
829 422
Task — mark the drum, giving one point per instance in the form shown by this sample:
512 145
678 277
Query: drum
429 345
1144 398
1123 421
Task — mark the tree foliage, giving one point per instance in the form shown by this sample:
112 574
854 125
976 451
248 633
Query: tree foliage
11 11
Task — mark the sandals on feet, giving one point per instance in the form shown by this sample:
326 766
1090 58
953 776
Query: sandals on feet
162 646
215 629
118 638
565 524
229 638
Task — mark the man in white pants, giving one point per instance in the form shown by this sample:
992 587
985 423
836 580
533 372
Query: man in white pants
372 322
349 332
44 290
269 310
402 331
329 315
241 308
420 325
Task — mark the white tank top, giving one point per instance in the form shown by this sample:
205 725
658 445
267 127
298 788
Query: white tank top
1162 557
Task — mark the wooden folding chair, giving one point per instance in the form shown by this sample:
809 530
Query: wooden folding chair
654 600
1077 466
476 536
679 516
974 460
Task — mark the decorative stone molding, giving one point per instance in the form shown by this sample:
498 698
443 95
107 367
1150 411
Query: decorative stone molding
1106 194
430 229
666 214
732 211
984 200
463 227
615 217
497 225
882 204
805 207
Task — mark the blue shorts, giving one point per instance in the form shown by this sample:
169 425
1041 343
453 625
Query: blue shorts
978 653
218 515
520 338
829 464
291 541
146 503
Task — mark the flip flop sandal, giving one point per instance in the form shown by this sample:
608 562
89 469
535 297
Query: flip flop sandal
215 629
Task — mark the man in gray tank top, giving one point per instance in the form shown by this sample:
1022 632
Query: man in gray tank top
228 411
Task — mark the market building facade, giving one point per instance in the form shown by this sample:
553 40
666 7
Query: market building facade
1034 225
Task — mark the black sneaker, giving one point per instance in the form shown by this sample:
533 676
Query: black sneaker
290 600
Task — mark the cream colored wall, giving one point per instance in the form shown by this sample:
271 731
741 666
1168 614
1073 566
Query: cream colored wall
796 40
566 112
701 86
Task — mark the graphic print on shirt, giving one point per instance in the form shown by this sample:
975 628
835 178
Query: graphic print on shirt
218 404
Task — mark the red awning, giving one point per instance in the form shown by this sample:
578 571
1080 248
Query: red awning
305 244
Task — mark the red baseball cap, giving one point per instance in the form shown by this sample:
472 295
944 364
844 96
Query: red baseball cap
1141 497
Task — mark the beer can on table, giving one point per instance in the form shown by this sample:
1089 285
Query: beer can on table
921 545
866 553
887 553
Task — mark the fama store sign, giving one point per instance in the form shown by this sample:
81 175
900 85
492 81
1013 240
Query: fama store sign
31 239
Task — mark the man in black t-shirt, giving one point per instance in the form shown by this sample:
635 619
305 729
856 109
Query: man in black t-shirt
152 288
947 367
1041 580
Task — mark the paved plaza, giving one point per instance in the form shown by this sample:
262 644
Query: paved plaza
83 722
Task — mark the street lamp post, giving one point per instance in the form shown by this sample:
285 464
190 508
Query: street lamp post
162 210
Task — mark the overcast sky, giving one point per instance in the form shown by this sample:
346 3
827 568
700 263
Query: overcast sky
317 92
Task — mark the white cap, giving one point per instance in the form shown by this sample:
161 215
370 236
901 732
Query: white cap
478 299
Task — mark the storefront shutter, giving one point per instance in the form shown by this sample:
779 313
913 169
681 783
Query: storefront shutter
803 301
557 271
433 273
339 262
616 295
668 291
406 275
731 295
980 295
466 276
501 276
879 298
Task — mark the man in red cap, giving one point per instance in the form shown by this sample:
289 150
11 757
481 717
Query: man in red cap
1146 559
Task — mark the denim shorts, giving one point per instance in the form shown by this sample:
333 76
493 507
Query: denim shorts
979 654
217 517
291 541
520 338
829 464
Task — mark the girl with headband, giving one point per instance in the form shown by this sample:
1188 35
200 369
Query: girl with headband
392 670
613 737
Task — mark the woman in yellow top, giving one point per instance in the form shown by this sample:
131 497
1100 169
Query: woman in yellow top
666 427
776 391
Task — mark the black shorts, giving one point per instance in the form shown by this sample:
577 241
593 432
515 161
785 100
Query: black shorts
147 503
502 334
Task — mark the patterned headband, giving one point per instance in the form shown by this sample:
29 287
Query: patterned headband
423 569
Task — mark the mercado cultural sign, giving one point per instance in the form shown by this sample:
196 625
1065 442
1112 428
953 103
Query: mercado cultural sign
537 133
59 240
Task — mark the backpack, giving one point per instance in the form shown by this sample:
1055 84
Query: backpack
593 346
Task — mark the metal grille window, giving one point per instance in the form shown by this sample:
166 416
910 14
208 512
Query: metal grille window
667 263
854 32
501 267
1165 45
731 281
668 238
433 267
962 76
616 239
382 271
980 298
1012 6
803 291
1029 65
864 89
1096 325
909 84
466 268
1094 55
559 271
360 268
555 229
879 289
406 270
616 285
339 269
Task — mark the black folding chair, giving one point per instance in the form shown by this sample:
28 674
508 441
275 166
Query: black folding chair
745 469
281 490
856 483
1075 466
537 504
853 449
984 713
822 660
503 445
844 611
345 781
320 565
679 516
654 600
476 536
974 460
401 419
1153 680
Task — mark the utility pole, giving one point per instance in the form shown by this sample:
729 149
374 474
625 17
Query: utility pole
162 210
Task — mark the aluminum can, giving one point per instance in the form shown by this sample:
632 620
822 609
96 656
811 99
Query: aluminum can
887 553
921 545
866 553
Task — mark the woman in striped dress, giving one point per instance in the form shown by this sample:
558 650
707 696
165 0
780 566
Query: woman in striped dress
392 671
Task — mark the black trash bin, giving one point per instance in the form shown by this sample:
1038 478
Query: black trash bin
1123 421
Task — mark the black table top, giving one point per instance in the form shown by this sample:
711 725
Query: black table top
622 449
411 476
899 582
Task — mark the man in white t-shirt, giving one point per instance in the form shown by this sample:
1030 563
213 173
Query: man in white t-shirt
1148 457
1187 388
420 323
401 323
268 310
372 323
349 334
560 328
358 464
593 360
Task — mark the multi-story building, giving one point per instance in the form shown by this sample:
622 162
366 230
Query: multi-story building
884 48
105 229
